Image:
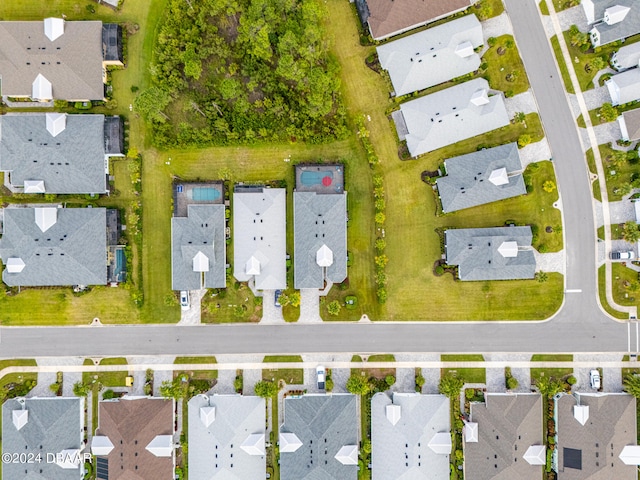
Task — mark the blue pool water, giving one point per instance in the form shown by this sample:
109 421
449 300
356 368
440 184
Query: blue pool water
205 194
314 178
121 266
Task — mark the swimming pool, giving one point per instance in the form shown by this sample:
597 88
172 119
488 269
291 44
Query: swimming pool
316 178
121 266
205 194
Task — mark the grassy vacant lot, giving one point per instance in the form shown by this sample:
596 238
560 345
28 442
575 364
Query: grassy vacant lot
291 376
555 373
412 243
564 71
470 375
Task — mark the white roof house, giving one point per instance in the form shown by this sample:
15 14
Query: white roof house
410 436
432 56
627 57
611 20
624 87
227 437
449 116
259 241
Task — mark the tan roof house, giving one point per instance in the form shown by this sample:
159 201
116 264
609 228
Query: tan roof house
57 59
134 439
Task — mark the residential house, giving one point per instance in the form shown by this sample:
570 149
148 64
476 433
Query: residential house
624 87
432 56
503 438
58 59
259 241
45 436
596 436
134 439
410 436
481 177
627 57
49 246
58 153
386 18
611 20
501 253
449 116
198 245
319 438
630 125
227 437
320 226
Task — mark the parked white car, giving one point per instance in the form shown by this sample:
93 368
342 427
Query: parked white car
321 374
185 303
594 379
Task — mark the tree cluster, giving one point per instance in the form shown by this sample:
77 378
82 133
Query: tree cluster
229 71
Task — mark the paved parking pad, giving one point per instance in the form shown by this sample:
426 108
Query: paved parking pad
250 378
405 380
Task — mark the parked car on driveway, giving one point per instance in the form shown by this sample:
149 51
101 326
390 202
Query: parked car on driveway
277 298
185 304
321 375
594 379
623 255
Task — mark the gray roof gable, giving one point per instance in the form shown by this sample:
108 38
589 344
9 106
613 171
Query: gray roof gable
624 87
628 56
508 424
72 62
73 251
429 57
406 442
215 451
476 251
202 231
54 424
610 427
629 26
324 424
71 162
319 219
259 232
452 115
468 184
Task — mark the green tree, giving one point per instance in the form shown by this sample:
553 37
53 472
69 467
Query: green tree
617 158
608 113
624 189
266 389
524 140
541 277
390 380
54 387
597 64
549 186
379 218
420 381
238 384
512 383
108 394
450 385
151 102
519 117
549 387
631 385
284 299
630 232
177 389
358 385
81 389
334 308
294 298
366 446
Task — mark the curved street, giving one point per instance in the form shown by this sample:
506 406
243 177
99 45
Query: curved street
579 326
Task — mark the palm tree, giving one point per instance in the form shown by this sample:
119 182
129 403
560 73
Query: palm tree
631 385
549 387
630 232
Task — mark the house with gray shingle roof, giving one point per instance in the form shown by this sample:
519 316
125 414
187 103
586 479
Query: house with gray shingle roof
502 439
612 20
45 427
198 248
227 437
55 59
594 433
386 18
432 56
449 116
49 246
481 177
58 153
500 253
410 436
624 87
627 57
320 226
630 125
260 240
319 438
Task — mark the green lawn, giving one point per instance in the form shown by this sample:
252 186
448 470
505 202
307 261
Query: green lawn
107 379
233 304
470 375
194 360
564 71
553 373
603 296
620 176
558 5
552 358
22 362
412 242
291 376
385 357
623 283
505 70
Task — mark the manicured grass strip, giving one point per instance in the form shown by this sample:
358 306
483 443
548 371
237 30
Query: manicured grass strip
193 360
21 362
544 10
470 375
385 357
19 377
282 358
603 296
564 71
106 379
292 376
552 358
462 358
553 373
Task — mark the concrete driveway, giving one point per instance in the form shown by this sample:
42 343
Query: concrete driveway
270 313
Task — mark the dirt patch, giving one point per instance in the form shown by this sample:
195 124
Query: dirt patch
501 51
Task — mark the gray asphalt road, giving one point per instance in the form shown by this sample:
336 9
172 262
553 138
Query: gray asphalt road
579 327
